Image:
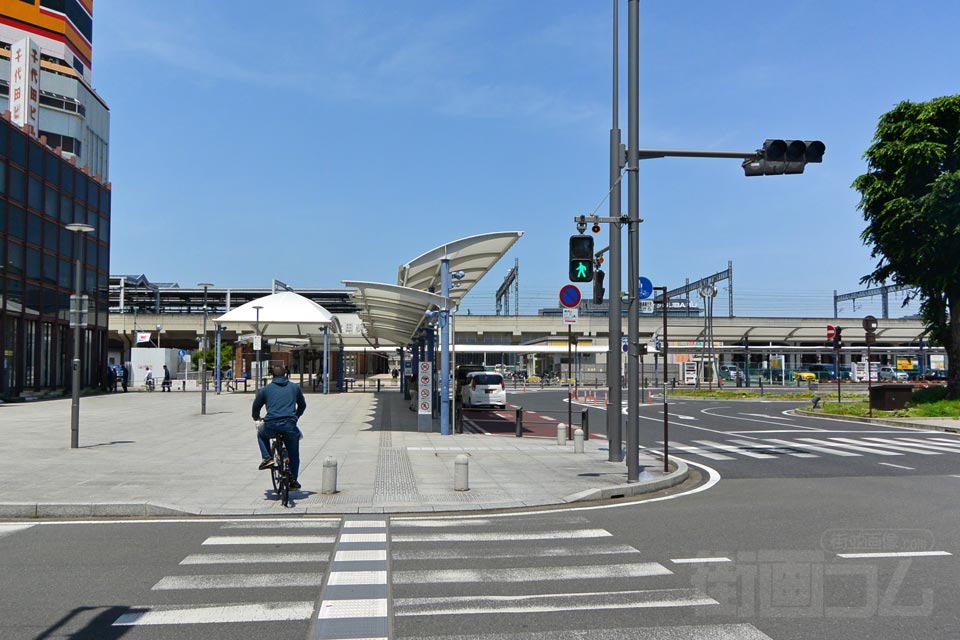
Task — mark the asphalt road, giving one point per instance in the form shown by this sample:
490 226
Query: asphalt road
783 546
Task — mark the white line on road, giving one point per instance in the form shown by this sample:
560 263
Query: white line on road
898 466
834 452
6 529
360 555
831 443
365 608
217 614
541 603
772 447
731 449
557 551
269 540
895 554
867 442
501 536
698 451
293 524
363 537
339 578
240 581
939 448
942 446
699 560
254 558
763 415
532 574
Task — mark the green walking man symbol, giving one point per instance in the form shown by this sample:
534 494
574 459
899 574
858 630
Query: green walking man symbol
581 270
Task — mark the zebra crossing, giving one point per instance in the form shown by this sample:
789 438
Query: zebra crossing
364 578
249 559
824 445
543 571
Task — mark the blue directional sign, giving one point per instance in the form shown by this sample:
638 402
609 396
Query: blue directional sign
570 296
646 288
181 353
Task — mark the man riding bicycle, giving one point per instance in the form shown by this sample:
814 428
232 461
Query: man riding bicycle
285 404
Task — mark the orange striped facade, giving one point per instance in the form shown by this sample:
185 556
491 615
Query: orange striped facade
42 21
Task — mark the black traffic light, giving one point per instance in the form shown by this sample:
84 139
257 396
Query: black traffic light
779 157
837 340
581 258
598 290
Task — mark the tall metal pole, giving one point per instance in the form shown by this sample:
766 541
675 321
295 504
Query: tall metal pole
76 313
444 321
259 346
203 353
666 419
633 241
614 352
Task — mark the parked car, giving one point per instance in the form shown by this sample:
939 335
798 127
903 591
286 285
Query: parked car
462 372
892 373
484 389
731 372
935 375
804 376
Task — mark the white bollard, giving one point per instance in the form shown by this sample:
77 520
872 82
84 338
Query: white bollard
578 441
461 473
561 434
329 482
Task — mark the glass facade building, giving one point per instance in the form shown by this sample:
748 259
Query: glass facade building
40 193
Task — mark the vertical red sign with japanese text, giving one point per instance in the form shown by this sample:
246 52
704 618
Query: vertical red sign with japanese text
25 85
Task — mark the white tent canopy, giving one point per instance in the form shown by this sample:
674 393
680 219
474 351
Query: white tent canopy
285 314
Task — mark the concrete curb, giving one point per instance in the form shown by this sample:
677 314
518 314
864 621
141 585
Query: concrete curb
879 421
86 510
650 485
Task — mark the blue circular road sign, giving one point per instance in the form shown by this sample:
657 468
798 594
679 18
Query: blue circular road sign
646 288
181 353
570 296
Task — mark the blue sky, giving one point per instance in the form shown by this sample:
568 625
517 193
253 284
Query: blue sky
338 139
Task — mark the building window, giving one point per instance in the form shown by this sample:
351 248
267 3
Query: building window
18 185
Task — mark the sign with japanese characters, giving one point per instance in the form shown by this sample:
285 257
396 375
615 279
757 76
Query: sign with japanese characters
425 378
25 85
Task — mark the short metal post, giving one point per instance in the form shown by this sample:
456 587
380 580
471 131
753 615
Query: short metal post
585 423
461 473
519 422
329 480
561 433
578 441
378 385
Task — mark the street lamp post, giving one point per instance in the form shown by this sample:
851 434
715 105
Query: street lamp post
75 319
203 352
257 345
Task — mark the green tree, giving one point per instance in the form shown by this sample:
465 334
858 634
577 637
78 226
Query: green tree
210 357
910 199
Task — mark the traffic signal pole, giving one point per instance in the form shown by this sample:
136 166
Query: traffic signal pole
633 241
614 352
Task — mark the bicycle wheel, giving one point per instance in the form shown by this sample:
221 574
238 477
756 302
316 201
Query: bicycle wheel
277 468
285 491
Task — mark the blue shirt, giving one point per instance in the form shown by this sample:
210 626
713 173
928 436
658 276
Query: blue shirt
283 399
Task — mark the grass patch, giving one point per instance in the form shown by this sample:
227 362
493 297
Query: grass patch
929 402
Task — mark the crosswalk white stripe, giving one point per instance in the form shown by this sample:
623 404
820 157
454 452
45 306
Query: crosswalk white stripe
772 447
254 558
561 551
6 529
532 574
403 524
357 577
895 554
732 449
941 448
360 555
240 581
947 446
953 441
235 540
541 603
699 560
293 524
898 466
364 608
868 442
501 536
698 451
831 443
363 537
834 452
365 524
217 614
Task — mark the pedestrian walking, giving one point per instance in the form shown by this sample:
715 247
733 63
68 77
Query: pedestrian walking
167 384
124 378
111 380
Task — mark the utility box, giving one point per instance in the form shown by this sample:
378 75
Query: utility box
889 397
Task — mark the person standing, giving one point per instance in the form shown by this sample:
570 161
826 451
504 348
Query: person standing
285 404
111 380
123 377
166 385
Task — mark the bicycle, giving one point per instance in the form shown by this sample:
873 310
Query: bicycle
149 384
280 471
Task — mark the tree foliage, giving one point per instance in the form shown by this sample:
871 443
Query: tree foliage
910 199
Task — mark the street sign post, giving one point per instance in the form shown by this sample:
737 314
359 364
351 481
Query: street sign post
831 331
570 316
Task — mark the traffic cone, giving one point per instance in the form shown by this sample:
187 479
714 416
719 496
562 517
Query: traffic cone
649 398
606 399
